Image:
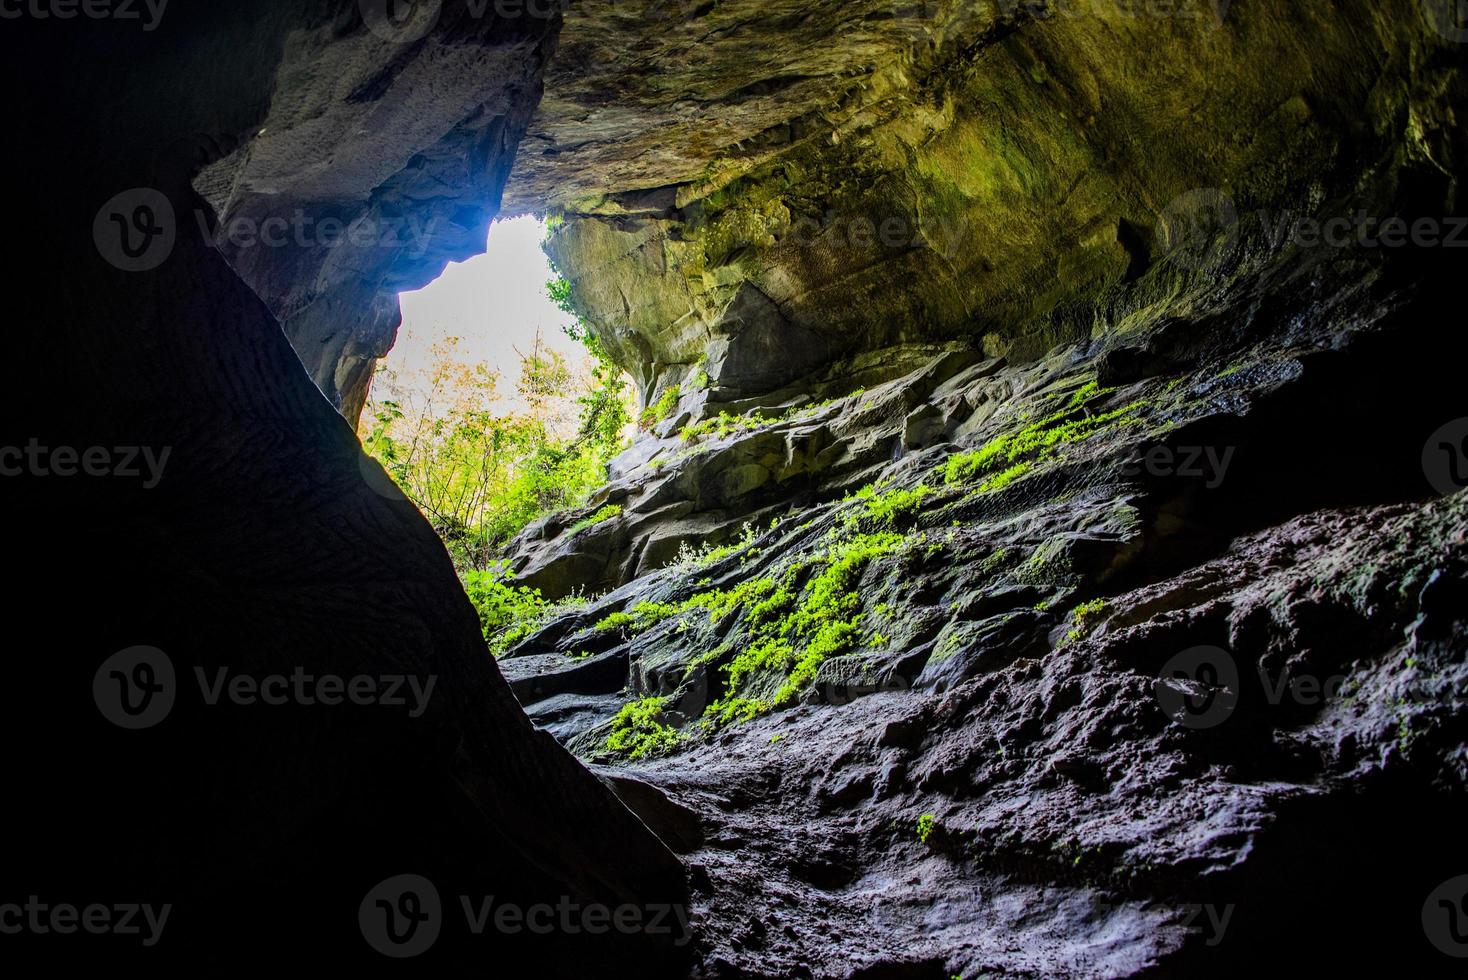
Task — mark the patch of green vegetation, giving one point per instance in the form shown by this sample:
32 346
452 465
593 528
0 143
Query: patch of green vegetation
926 824
661 409
1005 458
888 507
1083 618
725 424
607 513
994 562
792 633
641 618
508 613
1088 391
1049 564
1005 477
701 557
1232 370
637 731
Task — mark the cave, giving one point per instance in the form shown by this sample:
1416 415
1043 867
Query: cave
1042 553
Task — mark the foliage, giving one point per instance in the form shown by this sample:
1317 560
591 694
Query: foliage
925 825
1005 458
1083 618
637 732
724 424
607 513
661 409
888 507
701 557
507 612
481 469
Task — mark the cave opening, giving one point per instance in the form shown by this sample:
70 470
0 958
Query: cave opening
1010 572
495 407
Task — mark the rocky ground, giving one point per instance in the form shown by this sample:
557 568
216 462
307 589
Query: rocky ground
1087 667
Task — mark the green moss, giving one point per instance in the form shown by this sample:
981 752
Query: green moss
641 618
1005 458
894 504
1005 477
791 631
637 731
926 824
1083 618
607 513
724 424
509 613
661 409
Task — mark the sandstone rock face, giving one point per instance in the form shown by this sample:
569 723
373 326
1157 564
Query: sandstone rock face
268 547
1053 564
1152 629
787 185
380 159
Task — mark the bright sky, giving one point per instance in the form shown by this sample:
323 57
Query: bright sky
494 302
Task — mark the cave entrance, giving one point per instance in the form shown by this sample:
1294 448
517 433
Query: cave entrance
495 407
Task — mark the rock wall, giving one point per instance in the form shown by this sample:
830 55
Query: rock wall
1035 667
263 545
1074 587
854 176
1035 422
